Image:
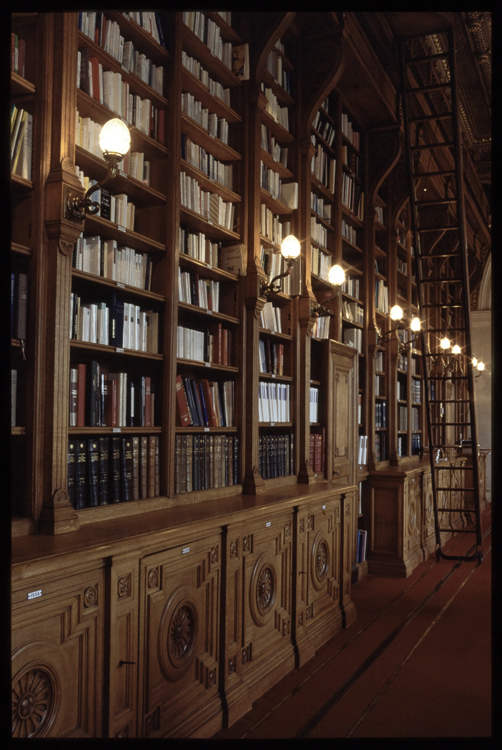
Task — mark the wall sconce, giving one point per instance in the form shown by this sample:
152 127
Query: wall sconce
453 363
290 250
396 314
480 367
336 277
114 141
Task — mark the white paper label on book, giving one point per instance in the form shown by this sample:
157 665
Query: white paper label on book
35 594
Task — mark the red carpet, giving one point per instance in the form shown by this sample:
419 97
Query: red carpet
417 663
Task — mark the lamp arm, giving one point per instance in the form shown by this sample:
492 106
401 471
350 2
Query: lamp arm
78 206
270 287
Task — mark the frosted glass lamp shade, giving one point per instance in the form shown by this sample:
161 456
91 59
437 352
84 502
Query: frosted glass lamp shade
480 366
444 343
456 349
115 137
415 324
290 247
336 275
396 312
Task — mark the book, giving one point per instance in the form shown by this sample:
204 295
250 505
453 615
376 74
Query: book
143 466
71 471
103 448
80 474
20 306
135 467
81 394
126 468
183 417
114 470
93 471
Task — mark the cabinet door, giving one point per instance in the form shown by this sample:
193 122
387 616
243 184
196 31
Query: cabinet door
343 422
412 517
258 632
179 641
318 584
57 656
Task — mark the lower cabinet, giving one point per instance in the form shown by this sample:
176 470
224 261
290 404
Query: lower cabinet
57 654
179 641
175 632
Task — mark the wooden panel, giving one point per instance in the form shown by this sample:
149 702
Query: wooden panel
258 629
179 640
57 657
318 613
123 647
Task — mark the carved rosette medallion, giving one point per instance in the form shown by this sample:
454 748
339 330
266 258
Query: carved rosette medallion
153 578
234 548
124 586
35 694
262 589
214 555
90 596
178 635
320 561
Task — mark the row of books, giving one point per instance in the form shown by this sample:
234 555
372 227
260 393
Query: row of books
379 216
416 391
277 112
115 208
321 262
402 418
279 73
270 317
194 290
204 403
21 142
380 414
318 232
198 157
324 127
321 206
109 38
204 462
380 446
214 346
205 203
106 470
102 257
353 337
415 418
362 538
92 23
352 161
272 227
276 455
349 132
415 445
270 180
353 311
209 33
118 323
317 450
351 286
269 144
18 305
16 419
323 167
271 357
379 361
217 127
401 390
197 245
114 92
99 398
350 233
362 450
196 69
274 402
381 296
352 195
320 329
379 386
17 54
314 404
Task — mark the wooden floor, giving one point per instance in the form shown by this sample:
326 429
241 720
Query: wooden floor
417 663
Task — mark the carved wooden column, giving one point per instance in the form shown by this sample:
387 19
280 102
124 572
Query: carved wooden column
62 231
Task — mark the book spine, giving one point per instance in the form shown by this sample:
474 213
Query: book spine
93 471
103 443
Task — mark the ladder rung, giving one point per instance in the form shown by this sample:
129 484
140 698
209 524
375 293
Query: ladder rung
441 330
447 228
460 531
438 173
427 58
439 202
455 468
450 424
423 89
425 118
450 377
425 146
441 281
449 401
443 305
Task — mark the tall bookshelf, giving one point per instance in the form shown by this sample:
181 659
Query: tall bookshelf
278 192
28 128
209 260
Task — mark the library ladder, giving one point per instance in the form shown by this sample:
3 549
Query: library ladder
431 124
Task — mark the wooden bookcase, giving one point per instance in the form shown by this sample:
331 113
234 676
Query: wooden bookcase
223 556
